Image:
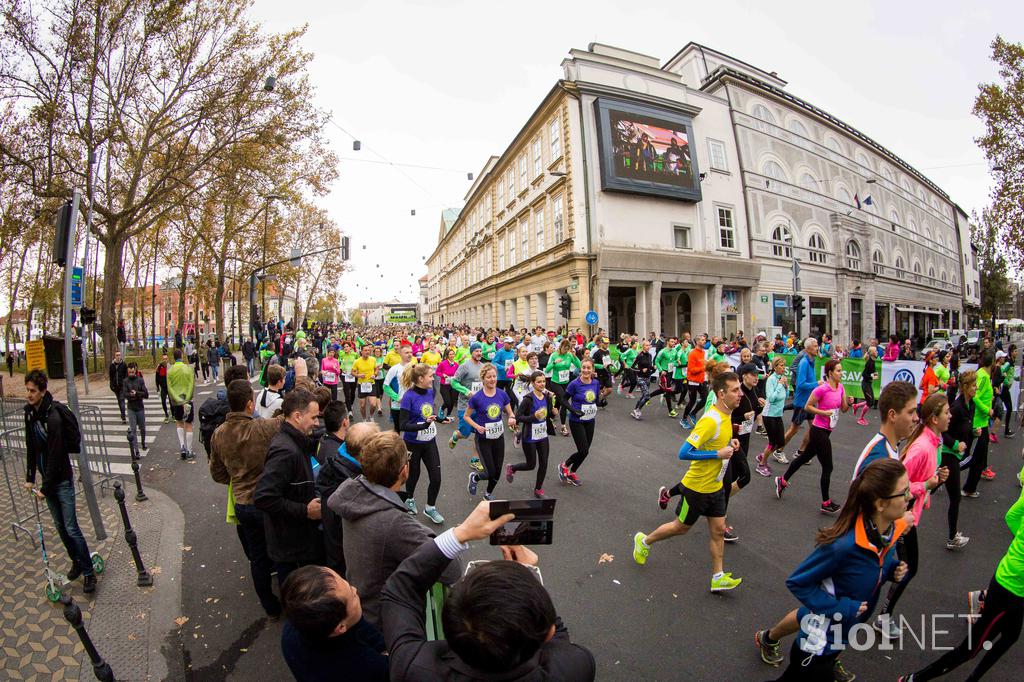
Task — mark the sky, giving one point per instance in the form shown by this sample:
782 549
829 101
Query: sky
446 84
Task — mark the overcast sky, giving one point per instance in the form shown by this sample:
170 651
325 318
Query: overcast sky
446 83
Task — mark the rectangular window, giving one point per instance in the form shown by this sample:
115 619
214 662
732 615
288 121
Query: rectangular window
501 253
782 313
538 161
538 219
681 236
555 133
523 170
511 247
511 185
716 155
726 229
501 194
524 230
556 210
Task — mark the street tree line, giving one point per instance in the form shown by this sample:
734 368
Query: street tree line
161 114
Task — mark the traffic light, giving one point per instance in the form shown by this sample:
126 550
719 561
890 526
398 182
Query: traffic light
565 305
798 306
88 315
62 232
344 248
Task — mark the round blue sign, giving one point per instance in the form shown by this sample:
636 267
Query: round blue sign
591 317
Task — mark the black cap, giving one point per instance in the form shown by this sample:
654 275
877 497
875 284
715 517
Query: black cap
747 368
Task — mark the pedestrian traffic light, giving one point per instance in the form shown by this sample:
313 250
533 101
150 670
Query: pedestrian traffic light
344 248
88 315
565 304
798 306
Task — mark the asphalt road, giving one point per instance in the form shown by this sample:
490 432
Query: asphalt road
655 622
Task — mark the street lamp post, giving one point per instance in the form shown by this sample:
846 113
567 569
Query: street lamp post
266 221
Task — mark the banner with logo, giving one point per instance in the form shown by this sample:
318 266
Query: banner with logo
904 370
853 369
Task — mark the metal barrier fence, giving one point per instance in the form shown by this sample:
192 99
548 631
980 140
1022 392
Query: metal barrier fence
13 454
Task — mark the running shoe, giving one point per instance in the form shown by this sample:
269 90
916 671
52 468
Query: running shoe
538 493
1011 434
957 541
730 535
862 422
410 504
432 514
629 395
725 582
663 497
840 673
672 413
510 473
475 465
563 473
993 438
684 423
640 549
635 414
780 486
889 627
471 486
764 470
692 422
574 479
453 441
144 446
829 507
988 474
975 603
964 493
780 457
488 497
167 420
761 431
770 653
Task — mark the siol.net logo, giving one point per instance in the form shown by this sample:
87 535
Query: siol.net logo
905 375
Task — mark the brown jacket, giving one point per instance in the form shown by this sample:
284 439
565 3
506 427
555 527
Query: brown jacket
238 450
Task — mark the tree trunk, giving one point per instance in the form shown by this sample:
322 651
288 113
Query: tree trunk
218 300
182 286
15 286
156 250
114 249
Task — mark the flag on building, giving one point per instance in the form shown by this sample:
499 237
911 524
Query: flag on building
856 200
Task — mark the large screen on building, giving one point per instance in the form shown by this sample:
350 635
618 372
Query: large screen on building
646 150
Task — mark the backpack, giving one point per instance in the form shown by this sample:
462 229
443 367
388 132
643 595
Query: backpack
211 415
289 379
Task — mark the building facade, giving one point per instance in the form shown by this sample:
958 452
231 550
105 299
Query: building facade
685 196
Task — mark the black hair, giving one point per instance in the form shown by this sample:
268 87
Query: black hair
296 401
334 414
132 365
234 373
239 394
177 354
37 377
498 616
987 358
311 603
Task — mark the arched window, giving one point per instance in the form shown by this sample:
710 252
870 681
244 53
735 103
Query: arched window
927 235
761 111
894 216
912 225
780 242
816 247
863 160
808 182
853 255
843 195
901 267
773 170
878 262
798 128
944 277
917 271
956 280
887 173
833 144
931 271
905 184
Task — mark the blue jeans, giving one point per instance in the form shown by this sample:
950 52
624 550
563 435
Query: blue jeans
254 544
250 364
214 367
62 508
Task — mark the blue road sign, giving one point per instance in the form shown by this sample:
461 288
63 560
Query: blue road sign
76 287
591 317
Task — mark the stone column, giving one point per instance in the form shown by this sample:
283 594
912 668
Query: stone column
523 319
715 310
554 319
699 311
601 303
640 316
654 308
540 310
671 321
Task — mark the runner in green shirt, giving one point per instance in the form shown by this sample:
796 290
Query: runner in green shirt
559 372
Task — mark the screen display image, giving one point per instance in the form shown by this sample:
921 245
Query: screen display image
534 523
644 150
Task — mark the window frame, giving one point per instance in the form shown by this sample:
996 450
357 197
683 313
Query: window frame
726 230
524 172
687 230
540 229
782 248
537 150
524 233
555 133
558 219
878 263
712 144
853 260
817 254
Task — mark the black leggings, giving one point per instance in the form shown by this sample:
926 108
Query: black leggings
999 625
776 432
906 550
448 395
979 461
492 457
667 392
334 392
952 462
868 388
350 394
582 436
535 452
817 668
695 397
738 470
1008 414
163 399
562 402
821 447
628 380
426 453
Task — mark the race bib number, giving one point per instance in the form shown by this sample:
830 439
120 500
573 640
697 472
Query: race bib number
538 431
366 388
671 366
589 411
475 387
746 426
563 376
833 419
494 430
349 378
330 377
427 434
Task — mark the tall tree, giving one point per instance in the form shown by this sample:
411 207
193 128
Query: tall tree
986 234
1000 106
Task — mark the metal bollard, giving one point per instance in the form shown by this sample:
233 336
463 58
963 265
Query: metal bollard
140 494
145 579
73 615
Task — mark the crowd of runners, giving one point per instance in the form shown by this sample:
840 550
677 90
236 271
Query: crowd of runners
323 459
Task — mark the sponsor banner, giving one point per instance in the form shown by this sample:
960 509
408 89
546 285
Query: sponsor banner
853 369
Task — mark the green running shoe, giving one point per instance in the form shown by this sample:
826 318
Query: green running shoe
432 514
640 550
410 504
453 441
725 583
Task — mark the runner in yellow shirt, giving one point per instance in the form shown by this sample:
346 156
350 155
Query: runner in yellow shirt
364 369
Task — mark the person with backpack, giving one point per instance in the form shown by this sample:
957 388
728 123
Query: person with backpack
269 399
214 410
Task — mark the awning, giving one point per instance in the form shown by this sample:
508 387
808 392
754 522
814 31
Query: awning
903 309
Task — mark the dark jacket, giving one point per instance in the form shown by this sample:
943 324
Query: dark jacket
413 658
336 468
378 535
283 492
161 376
54 424
248 350
643 364
137 384
238 452
118 372
358 654
960 425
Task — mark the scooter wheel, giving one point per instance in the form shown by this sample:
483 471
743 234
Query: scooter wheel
53 593
97 563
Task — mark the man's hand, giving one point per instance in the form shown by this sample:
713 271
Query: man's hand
519 553
512 422
479 525
313 509
761 402
943 475
900 573
726 452
961 446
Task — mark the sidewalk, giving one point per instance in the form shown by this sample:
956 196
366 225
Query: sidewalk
129 625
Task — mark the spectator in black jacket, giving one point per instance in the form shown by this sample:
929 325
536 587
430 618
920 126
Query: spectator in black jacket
325 636
51 433
135 393
161 385
118 372
249 353
956 443
287 492
499 620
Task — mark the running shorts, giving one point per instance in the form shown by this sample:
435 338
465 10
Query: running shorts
465 430
183 413
799 415
694 505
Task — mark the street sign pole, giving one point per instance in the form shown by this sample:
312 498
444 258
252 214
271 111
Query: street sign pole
797 317
69 374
